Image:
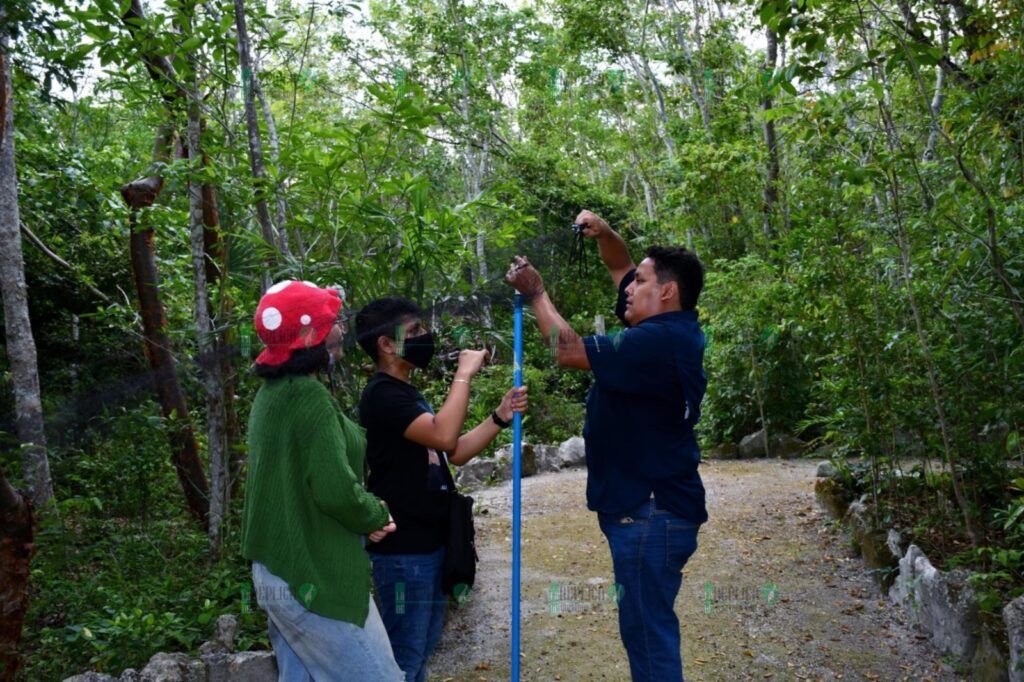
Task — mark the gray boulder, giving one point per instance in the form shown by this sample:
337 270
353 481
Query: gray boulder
91 677
1013 617
476 473
723 451
175 667
547 458
573 453
479 472
873 543
247 666
943 604
831 497
826 469
786 446
753 445
223 638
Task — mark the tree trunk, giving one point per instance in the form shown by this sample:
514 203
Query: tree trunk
771 185
17 533
684 45
21 346
184 450
202 209
275 238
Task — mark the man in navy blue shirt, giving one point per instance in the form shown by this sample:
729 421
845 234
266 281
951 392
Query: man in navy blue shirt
642 454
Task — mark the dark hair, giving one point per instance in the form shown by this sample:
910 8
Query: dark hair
302 361
682 267
379 318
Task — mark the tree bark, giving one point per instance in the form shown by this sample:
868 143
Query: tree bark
202 211
17 534
771 185
21 347
275 238
184 450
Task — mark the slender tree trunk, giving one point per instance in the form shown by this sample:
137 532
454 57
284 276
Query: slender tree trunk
695 90
201 210
771 185
17 536
21 346
275 238
184 450
281 213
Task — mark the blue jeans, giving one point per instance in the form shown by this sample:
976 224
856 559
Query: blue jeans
309 646
412 606
649 548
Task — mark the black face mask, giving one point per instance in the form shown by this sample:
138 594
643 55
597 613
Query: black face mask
419 350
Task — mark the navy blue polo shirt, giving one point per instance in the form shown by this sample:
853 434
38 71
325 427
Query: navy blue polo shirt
648 385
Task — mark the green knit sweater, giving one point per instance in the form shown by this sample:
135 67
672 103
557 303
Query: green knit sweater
305 504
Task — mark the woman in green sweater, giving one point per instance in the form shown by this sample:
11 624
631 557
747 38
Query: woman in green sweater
306 508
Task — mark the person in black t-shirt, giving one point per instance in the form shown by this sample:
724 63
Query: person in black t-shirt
408 449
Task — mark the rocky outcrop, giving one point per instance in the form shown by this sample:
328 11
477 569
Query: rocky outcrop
480 472
216 663
873 543
943 604
1013 617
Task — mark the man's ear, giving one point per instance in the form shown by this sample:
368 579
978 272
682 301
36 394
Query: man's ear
670 289
385 345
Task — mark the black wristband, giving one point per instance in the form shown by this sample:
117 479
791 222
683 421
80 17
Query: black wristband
499 421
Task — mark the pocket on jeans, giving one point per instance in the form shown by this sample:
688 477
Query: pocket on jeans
680 543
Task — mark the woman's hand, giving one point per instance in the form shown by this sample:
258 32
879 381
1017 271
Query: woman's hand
514 401
378 535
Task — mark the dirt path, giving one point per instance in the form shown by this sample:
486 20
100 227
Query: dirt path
773 591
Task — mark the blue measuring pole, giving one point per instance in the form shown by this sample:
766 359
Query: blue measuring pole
517 451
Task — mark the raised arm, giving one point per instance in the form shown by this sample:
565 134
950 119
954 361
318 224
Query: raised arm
610 245
568 344
441 431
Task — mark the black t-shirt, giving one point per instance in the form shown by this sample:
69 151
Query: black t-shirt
413 479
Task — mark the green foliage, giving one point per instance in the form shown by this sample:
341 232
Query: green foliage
874 307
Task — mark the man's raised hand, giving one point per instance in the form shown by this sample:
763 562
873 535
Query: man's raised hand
593 226
524 277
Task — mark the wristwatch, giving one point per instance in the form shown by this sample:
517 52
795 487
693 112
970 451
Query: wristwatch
499 421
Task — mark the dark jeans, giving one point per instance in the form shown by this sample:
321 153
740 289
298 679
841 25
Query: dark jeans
649 548
412 606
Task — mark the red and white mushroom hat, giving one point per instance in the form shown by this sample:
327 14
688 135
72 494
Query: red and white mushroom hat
294 314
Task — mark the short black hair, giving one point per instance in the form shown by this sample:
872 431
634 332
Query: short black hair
302 361
682 267
379 318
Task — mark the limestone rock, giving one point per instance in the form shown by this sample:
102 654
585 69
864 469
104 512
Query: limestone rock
223 638
826 469
476 473
547 458
753 445
831 497
723 451
175 667
943 604
91 677
572 453
786 446
1013 617
989 664
247 666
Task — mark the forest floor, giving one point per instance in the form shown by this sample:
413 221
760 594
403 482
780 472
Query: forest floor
774 590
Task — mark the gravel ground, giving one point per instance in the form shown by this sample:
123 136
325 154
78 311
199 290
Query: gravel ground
773 591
